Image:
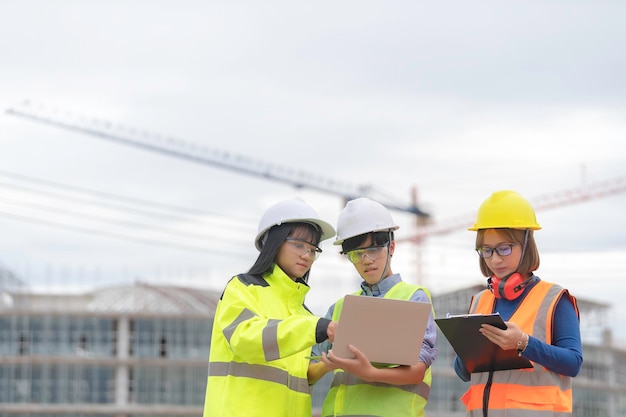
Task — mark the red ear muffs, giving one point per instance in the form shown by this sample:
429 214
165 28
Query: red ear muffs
509 287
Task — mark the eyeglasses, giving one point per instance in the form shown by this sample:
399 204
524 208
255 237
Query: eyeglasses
373 252
502 250
304 248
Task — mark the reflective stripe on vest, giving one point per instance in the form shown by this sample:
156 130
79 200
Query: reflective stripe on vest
344 378
518 413
536 391
259 372
269 338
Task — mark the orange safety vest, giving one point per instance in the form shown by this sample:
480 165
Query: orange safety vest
535 391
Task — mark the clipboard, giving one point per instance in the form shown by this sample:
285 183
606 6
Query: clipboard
475 350
386 330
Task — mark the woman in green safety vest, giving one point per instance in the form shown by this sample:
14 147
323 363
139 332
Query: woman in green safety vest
365 231
263 332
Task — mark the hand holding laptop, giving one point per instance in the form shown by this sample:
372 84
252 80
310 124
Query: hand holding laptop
358 365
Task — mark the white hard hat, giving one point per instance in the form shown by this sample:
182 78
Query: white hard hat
361 216
292 211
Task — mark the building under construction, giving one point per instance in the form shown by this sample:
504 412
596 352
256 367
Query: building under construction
141 350
137 350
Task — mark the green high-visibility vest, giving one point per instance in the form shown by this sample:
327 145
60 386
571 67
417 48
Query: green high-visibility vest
351 396
262 335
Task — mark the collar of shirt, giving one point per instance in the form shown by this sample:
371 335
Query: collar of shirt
380 289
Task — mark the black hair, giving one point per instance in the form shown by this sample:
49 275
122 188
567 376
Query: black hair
378 239
275 237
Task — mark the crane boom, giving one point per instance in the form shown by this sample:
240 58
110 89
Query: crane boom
201 154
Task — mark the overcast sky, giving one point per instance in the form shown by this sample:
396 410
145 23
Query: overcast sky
453 99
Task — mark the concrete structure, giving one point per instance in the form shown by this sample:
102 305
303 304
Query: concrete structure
138 350
141 350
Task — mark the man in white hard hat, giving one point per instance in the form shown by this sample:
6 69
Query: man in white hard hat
365 231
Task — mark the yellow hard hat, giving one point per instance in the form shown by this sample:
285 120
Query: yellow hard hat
506 210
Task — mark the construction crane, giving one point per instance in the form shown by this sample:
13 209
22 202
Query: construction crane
425 224
204 155
543 202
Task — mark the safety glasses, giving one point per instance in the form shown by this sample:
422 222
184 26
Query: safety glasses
302 248
502 250
357 255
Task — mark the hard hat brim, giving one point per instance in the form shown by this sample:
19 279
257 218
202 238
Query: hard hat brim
386 229
326 229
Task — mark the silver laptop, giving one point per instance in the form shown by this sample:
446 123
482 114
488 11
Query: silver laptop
387 331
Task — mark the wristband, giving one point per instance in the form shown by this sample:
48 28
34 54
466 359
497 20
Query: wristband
521 345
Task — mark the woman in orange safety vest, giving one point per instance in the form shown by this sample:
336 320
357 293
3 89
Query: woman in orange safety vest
542 319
